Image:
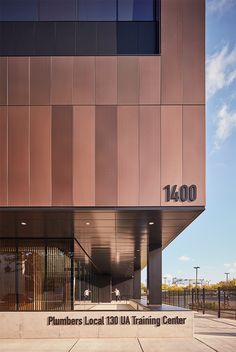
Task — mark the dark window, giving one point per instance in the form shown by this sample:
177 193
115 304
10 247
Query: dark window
147 37
57 10
96 10
106 38
7 38
18 10
45 38
136 10
86 38
65 38
127 37
25 38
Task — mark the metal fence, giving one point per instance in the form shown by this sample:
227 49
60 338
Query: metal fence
220 302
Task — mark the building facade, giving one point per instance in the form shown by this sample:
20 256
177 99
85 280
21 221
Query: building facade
102 145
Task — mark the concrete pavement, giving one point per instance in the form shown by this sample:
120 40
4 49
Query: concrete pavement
211 334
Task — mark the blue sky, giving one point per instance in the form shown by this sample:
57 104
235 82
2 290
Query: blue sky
210 241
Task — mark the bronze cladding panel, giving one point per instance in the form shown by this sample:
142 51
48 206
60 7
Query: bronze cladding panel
62 123
128 155
84 80
106 80
171 52
183 52
193 51
3 81
150 80
40 80
40 155
18 80
62 80
18 155
106 155
3 155
194 150
150 148
171 149
84 156
128 80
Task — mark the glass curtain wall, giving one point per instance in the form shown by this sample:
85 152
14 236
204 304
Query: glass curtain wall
36 274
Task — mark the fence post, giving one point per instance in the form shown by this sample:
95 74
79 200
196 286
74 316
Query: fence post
178 299
218 302
203 300
184 298
197 293
192 298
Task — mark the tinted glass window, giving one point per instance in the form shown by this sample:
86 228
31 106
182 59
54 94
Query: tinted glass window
18 10
7 38
147 37
57 10
136 10
45 38
106 38
127 38
96 10
25 38
86 38
65 38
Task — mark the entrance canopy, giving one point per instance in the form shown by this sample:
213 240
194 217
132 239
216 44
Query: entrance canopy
114 240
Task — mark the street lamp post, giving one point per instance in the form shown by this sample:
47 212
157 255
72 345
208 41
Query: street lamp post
196 293
227 276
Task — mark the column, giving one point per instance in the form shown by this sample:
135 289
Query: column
154 275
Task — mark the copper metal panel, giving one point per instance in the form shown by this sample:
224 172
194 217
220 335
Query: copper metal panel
18 80
84 80
106 155
3 81
40 156
128 155
62 80
84 156
40 80
171 52
194 51
194 150
150 80
106 80
18 155
62 121
150 148
128 80
171 149
3 156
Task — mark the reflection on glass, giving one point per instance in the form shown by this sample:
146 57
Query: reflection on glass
96 10
57 10
136 10
18 10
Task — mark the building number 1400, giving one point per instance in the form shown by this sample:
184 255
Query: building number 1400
182 194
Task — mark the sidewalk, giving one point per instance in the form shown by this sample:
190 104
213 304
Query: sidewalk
211 334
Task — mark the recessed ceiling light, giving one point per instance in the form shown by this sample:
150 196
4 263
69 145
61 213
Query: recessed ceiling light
151 223
23 223
88 223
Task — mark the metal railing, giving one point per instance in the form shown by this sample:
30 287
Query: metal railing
220 302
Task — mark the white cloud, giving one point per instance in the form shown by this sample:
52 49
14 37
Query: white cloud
184 258
220 70
225 125
227 265
220 5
